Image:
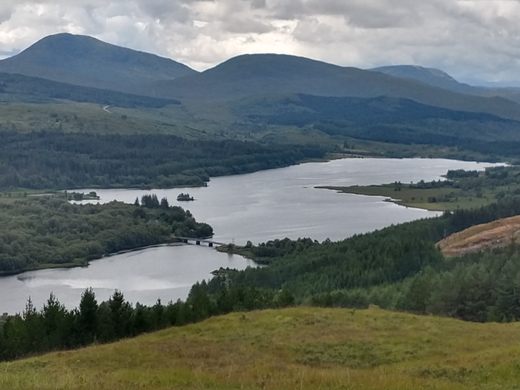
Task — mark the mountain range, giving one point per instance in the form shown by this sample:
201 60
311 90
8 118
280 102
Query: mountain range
251 91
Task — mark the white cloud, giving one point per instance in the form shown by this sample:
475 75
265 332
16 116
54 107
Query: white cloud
468 38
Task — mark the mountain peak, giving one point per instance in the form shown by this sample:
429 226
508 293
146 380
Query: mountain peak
87 61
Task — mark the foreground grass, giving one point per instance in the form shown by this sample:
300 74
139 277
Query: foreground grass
299 348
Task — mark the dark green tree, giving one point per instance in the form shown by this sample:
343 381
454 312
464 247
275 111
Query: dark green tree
88 317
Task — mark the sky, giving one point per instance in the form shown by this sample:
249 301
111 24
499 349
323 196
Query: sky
470 39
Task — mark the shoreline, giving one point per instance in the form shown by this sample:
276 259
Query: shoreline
331 156
386 198
88 261
137 249
436 207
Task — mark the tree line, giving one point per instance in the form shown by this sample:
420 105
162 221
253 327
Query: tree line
56 328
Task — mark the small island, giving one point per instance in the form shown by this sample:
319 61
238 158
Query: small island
185 197
80 196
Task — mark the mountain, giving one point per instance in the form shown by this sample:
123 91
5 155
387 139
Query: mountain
86 61
271 74
429 76
440 79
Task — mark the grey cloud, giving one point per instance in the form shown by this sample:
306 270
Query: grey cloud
258 4
243 25
470 39
166 10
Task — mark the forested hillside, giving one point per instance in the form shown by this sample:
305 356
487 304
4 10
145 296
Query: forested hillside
50 160
387 119
399 267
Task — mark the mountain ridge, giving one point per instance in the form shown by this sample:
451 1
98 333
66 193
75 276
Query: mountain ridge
279 74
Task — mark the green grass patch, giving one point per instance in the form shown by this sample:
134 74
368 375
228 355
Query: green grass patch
435 199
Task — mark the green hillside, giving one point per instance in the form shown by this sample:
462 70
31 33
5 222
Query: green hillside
267 98
56 160
19 88
383 119
301 348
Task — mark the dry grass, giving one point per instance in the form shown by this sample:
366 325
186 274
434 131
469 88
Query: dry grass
499 233
300 348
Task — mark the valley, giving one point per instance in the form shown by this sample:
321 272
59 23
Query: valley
257 207
369 219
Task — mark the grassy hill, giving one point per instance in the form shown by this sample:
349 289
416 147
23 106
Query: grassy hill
299 348
86 61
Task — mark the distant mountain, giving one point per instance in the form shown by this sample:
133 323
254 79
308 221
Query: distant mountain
270 74
440 79
430 76
86 61
20 88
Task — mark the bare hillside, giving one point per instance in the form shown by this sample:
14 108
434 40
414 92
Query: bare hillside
494 234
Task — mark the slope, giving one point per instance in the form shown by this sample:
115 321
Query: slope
20 88
384 119
86 61
299 348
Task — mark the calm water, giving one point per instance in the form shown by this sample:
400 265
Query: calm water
165 272
259 206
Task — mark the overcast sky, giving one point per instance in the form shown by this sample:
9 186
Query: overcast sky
471 39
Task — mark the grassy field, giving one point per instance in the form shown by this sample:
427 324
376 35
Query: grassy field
436 199
300 348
